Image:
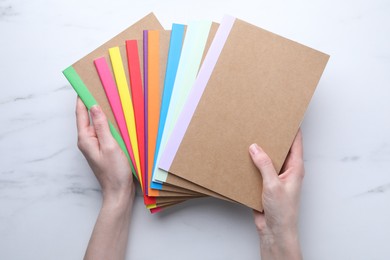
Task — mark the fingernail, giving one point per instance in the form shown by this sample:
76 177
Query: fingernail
254 149
95 111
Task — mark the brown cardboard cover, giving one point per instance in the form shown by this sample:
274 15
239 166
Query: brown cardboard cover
258 93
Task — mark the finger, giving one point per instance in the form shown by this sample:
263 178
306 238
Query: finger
263 163
102 129
85 143
82 118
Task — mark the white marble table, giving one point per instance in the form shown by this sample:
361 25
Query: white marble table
49 199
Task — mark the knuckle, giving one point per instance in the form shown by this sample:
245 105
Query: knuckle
81 143
263 159
272 187
110 147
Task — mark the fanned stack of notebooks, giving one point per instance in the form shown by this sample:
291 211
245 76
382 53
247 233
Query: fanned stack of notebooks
185 104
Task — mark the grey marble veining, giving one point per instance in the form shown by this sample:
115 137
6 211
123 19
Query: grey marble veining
380 189
49 198
6 11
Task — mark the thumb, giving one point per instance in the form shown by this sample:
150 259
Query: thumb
263 163
101 127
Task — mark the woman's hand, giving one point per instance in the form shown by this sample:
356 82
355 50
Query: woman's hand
277 225
112 169
104 156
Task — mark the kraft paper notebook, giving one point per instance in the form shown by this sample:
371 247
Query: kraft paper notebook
84 78
253 87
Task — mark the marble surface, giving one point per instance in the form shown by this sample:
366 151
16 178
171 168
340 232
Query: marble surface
49 198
